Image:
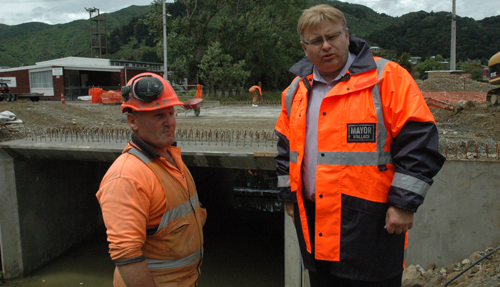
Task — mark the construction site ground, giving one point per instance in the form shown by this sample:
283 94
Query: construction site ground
473 122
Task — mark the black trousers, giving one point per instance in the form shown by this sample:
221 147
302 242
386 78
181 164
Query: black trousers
322 277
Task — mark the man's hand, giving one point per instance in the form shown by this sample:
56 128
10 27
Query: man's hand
398 220
289 209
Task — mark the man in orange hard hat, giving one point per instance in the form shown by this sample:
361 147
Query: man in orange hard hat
148 193
256 97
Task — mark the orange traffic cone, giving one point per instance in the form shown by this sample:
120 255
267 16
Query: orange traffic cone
62 99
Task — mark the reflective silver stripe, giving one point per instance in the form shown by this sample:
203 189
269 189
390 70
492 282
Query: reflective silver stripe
139 154
293 156
410 183
155 264
179 211
289 95
354 158
284 181
381 130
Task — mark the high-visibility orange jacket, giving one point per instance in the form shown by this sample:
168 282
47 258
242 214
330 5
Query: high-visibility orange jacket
152 212
377 147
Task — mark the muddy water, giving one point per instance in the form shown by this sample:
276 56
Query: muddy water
242 248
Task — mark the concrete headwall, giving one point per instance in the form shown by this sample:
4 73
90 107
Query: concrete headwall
47 208
57 207
10 236
461 214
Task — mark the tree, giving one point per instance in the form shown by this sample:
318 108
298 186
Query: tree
440 58
477 74
150 56
191 20
262 33
427 65
404 62
217 71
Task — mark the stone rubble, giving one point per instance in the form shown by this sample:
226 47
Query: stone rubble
484 274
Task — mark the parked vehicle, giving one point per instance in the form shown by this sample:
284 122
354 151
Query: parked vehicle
6 95
494 79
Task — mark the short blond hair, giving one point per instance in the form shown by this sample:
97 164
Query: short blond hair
316 15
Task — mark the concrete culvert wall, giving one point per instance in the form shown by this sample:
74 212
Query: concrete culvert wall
57 207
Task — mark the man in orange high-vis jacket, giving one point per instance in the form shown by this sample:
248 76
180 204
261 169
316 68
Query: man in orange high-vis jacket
148 197
256 93
357 151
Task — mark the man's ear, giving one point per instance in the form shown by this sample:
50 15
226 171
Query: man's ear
132 121
303 47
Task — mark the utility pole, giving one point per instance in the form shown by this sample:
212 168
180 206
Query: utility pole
453 58
165 73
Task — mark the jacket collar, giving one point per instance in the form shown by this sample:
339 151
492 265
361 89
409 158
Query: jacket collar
145 148
363 62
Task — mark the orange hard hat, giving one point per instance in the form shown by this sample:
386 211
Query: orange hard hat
148 92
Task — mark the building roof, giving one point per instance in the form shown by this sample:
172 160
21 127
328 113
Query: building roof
81 63
75 61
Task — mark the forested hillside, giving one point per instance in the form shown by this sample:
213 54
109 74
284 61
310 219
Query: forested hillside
428 34
28 43
229 44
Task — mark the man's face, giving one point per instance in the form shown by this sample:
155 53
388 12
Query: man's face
155 128
327 49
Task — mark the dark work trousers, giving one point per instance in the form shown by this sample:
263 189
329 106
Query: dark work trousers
322 276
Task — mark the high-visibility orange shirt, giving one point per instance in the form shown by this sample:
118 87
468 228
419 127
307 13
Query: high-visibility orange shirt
132 200
256 88
199 93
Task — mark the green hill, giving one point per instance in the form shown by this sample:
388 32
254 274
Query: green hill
28 43
361 20
7 31
428 34
418 34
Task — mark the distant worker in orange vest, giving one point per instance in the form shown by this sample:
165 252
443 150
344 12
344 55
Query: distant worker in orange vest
199 93
257 98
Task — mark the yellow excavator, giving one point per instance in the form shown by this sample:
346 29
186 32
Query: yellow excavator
494 79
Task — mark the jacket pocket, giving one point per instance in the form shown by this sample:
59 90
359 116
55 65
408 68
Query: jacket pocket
367 250
177 238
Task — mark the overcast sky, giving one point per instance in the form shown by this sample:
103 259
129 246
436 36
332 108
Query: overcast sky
15 12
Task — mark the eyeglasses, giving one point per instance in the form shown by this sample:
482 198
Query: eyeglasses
318 42
146 89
